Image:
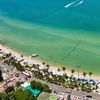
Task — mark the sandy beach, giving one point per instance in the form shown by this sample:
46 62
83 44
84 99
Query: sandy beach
26 58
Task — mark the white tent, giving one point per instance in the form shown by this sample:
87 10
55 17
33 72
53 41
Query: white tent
19 58
55 72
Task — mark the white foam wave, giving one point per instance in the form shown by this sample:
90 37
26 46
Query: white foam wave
79 3
75 3
70 4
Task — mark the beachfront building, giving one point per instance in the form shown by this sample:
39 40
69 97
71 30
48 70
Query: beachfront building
19 59
55 72
4 52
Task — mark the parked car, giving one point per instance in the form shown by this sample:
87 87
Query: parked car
89 96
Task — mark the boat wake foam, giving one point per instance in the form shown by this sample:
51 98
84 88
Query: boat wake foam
70 4
79 3
75 3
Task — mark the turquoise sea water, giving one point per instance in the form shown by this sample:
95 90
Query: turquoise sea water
62 36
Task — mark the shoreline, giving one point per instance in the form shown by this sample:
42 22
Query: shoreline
26 58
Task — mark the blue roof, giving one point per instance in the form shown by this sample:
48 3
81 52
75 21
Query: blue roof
35 92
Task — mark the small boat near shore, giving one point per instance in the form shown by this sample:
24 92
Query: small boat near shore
34 55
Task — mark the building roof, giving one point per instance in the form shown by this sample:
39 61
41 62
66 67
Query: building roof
4 52
25 84
55 72
18 58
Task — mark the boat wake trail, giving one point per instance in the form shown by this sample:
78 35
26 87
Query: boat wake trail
75 3
61 10
70 4
66 54
79 3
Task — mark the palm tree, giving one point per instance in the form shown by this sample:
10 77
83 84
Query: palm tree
84 74
48 66
72 71
78 67
90 74
43 63
63 68
21 55
66 76
58 70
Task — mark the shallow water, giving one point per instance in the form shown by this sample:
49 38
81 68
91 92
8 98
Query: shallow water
61 36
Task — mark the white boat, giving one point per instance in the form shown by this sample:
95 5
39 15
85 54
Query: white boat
34 55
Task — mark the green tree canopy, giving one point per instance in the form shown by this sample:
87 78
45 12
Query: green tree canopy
17 95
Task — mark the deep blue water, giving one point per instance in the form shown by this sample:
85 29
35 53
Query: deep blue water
85 16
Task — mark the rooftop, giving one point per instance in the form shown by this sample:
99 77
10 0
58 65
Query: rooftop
35 92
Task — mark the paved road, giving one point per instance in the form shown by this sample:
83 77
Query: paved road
66 90
52 86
